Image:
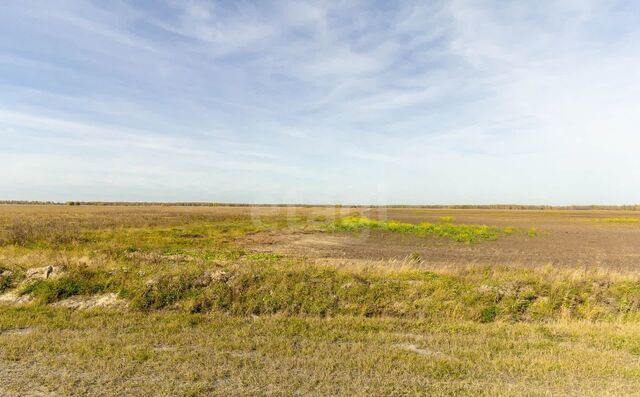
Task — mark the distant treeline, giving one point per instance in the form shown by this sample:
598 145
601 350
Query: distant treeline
30 202
456 206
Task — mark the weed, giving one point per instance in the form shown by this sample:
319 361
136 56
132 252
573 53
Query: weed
460 232
415 257
618 220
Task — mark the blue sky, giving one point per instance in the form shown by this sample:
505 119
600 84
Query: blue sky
321 102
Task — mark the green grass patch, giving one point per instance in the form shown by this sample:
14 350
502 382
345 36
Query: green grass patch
164 291
5 283
619 220
78 280
457 232
297 288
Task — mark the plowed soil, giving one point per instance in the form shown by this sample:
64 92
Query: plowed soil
562 238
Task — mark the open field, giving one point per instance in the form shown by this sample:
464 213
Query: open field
198 301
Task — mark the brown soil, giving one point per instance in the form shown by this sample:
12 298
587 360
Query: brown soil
564 238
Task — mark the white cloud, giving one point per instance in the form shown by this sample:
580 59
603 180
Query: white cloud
456 101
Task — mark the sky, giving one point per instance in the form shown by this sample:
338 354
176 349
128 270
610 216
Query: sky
454 102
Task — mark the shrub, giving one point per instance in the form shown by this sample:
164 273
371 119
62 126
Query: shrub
489 314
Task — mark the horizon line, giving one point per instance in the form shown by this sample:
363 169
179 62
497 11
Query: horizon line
633 207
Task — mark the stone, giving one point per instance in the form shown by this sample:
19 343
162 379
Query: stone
203 281
108 300
221 276
13 298
208 277
43 273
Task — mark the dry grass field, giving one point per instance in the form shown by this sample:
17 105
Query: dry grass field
219 300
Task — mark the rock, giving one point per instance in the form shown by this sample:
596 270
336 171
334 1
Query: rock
203 280
164 348
209 277
421 351
43 273
485 288
109 300
12 298
18 331
151 283
221 276
6 273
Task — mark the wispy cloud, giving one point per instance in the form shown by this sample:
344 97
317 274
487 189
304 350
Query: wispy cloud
320 101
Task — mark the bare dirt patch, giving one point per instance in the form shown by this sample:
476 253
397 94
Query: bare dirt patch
418 350
164 348
17 331
562 238
109 300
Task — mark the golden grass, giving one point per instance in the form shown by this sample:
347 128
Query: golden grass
282 325
77 353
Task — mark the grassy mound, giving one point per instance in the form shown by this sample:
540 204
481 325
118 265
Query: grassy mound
267 287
